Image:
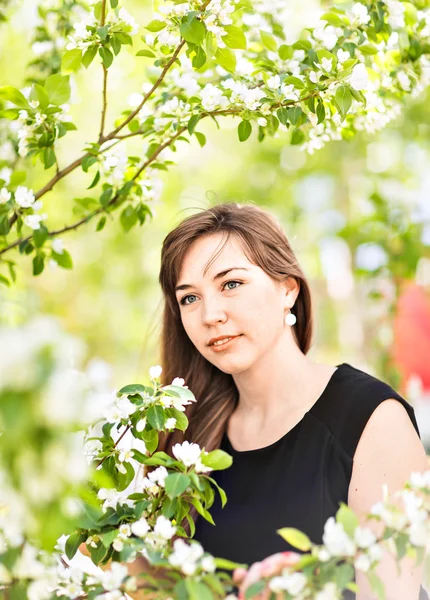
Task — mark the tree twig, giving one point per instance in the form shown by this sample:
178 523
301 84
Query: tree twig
104 104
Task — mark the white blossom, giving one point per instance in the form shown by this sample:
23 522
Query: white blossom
363 563
179 381
33 221
190 455
336 540
58 246
364 537
329 592
164 529
359 79
24 197
293 583
186 557
396 13
155 371
273 82
212 97
404 81
342 55
170 423
360 13
5 195
140 528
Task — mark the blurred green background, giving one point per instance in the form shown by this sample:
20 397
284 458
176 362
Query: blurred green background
357 214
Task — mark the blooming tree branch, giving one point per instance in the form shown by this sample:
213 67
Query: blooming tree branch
218 58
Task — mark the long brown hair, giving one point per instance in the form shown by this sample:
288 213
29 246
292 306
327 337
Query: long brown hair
265 245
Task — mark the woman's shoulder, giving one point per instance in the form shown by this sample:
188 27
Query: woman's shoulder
351 401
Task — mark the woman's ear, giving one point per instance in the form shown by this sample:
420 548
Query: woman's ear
292 290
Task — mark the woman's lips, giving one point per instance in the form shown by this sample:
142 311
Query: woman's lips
224 346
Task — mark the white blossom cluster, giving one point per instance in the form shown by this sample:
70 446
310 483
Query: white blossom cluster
216 16
191 456
156 537
85 34
26 127
190 558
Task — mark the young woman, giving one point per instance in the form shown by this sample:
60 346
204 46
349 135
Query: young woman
304 435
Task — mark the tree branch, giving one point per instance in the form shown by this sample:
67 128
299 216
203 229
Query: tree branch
104 104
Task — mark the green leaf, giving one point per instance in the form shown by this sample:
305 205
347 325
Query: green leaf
4 224
202 511
320 111
113 3
7 92
244 130
49 157
102 32
108 537
193 32
222 494
282 114
88 56
226 59
147 53
285 52
200 138
376 584
38 93
254 590
344 575
58 88
343 99
368 49
150 437
156 417
38 264
268 41
155 26
132 388
347 518
295 538
333 19
101 224
235 38
297 137
128 218
294 114
229 565
181 418
217 460
197 590
97 554
115 44
88 161
71 61
199 59
64 259
94 181
106 56
40 236
17 178
73 542
192 123
4 280
176 484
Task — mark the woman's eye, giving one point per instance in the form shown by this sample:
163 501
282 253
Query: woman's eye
186 298
232 281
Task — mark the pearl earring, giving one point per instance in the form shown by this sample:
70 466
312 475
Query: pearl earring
290 319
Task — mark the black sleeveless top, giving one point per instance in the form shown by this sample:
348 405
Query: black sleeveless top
299 480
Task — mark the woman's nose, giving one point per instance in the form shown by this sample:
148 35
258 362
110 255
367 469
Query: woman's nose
213 312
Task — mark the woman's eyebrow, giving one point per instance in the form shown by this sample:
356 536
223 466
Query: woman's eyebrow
186 286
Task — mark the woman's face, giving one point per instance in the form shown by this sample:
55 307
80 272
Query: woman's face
244 303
